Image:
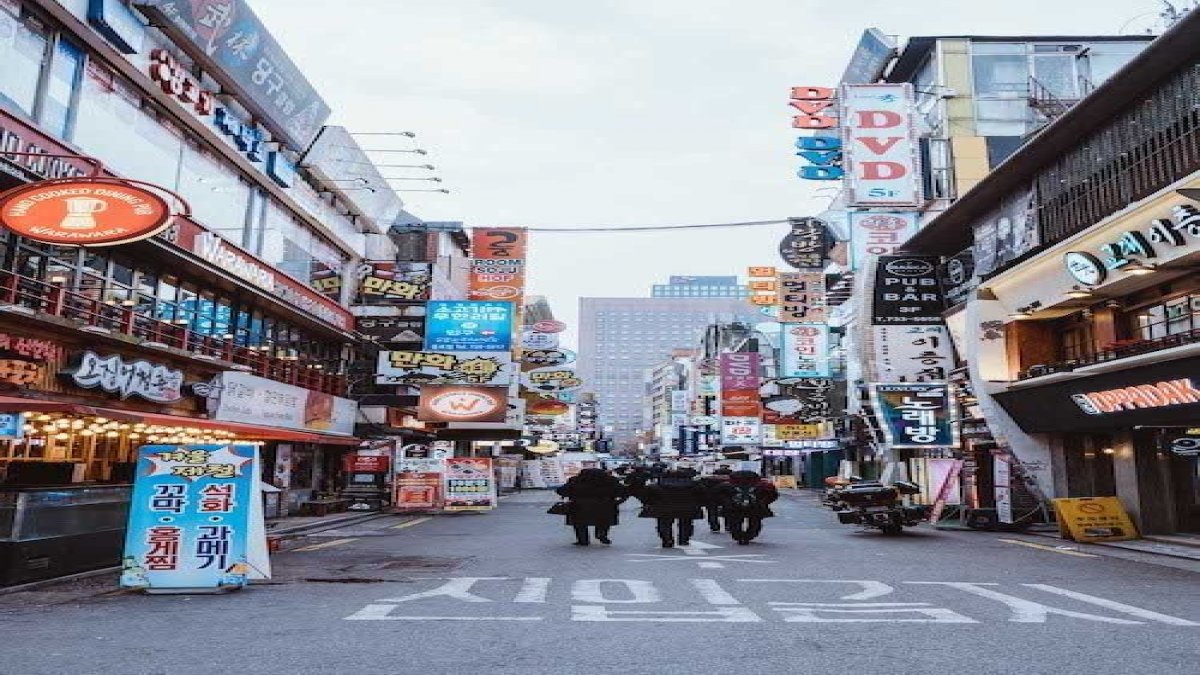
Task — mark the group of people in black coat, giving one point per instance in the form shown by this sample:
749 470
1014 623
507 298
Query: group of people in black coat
674 499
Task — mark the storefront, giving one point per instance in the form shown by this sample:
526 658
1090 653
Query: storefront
1125 432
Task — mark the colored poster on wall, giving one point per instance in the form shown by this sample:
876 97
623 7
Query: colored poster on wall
876 234
408 367
908 290
879 141
468 326
912 353
469 484
393 283
804 350
417 491
192 517
802 297
914 415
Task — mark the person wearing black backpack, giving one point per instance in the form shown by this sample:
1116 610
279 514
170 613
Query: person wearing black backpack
674 501
745 502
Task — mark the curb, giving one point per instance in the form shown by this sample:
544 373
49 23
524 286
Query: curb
1116 545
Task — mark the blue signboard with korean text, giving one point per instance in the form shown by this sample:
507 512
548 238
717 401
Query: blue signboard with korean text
468 326
914 414
12 426
230 34
192 520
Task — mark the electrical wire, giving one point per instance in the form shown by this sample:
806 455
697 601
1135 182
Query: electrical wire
651 228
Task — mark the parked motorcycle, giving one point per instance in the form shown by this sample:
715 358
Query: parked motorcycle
873 504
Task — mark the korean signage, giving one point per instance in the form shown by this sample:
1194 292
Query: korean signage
462 403
151 381
84 212
551 380
22 359
393 328
881 152
498 264
803 400
806 245
741 431
798 432
822 152
804 351
763 286
875 234
416 367
1161 239
908 290
192 518
534 340
538 358
802 297
468 326
915 415
242 397
229 34
391 283
912 353
176 81
469 484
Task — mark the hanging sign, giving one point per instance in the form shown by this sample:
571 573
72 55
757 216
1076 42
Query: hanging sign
912 353
538 341
807 244
805 350
802 297
496 279
908 290
821 152
393 328
392 283
875 234
551 380
915 415
195 520
880 141
537 358
549 326
469 484
741 431
411 367
84 212
462 403
151 381
468 326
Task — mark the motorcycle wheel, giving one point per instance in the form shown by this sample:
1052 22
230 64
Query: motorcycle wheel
891 529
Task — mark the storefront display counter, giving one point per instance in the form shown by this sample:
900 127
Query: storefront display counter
48 532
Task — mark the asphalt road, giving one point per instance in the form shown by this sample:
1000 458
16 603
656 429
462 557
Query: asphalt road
505 592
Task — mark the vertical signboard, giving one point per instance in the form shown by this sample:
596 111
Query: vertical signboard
469 484
880 145
741 431
739 384
498 264
195 519
805 350
875 234
912 353
468 326
908 290
802 297
914 415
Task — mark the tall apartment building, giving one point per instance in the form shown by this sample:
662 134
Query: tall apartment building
620 338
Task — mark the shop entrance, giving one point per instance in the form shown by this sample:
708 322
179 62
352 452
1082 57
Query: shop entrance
1183 446
1089 463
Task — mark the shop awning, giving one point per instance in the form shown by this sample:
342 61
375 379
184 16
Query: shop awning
251 431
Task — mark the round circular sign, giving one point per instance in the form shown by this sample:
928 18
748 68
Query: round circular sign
538 358
500 292
548 407
549 326
1085 268
84 212
1091 507
465 404
531 340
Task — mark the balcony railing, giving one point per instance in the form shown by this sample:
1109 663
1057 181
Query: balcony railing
85 311
1113 353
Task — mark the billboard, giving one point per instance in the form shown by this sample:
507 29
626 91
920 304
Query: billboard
462 403
804 351
879 140
915 415
877 233
415 367
468 326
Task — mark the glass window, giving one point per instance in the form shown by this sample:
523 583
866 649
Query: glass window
1056 72
219 197
111 120
62 88
23 51
1000 74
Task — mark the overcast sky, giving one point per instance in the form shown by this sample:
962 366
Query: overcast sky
618 112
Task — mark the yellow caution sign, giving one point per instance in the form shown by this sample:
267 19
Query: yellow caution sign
1090 519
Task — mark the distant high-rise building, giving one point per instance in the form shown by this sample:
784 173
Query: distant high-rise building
619 338
700 287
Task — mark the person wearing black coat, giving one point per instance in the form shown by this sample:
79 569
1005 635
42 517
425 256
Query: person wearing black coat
712 498
594 500
674 502
745 501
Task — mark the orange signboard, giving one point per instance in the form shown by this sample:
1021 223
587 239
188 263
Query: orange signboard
84 212
498 243
497 265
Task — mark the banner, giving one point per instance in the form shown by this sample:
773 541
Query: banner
807 244
234 396
908 290
915 415
880 151
195 519
418 491
804 351
802 297
462 403
469 484
468 326
393 283
741 431
912 353
405 367
876 234
739 371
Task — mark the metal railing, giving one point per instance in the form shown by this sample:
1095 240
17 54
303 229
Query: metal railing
1114 353
56 301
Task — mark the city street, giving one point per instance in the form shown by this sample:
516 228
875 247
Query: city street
505 592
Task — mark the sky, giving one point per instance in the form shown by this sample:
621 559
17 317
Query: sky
572 113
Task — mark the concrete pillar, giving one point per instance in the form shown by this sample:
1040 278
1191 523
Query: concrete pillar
1125 475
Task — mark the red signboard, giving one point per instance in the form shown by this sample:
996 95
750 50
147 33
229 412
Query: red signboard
84 212
417 491
355 463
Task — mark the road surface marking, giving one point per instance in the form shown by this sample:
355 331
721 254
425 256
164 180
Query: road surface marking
1115 606
592 590
326 544
383 613
458 588
721 615
1024 611
698 548
1044 547
711 591
870 589
866 612
410 523
534 590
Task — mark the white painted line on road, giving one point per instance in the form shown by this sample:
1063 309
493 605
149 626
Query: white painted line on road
698 548
326 544
1052 549
1023 611
458 588
410 523
710 565
1115 606
383 613
637 590
533 590
870 589
722 615
711 591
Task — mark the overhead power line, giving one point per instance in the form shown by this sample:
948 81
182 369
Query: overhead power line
651 228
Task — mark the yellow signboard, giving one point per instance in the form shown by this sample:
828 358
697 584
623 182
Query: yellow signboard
797 432
1090 519
784 482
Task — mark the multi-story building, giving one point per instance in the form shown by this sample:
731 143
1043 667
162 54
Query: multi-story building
621 337
700 287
